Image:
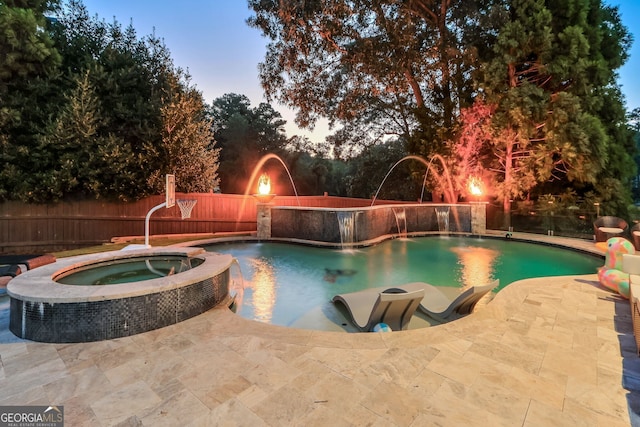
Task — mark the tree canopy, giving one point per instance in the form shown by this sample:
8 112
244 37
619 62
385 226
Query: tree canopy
89 109
522 93
244 134
420 70
559 120
378 68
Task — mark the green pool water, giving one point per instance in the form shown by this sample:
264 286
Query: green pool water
284 282
127 270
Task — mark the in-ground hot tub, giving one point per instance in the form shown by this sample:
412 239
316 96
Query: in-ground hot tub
127 270
181 283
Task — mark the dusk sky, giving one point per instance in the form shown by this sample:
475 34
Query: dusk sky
211 39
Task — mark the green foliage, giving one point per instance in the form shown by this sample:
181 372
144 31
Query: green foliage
376 67
558 112
368 171
634 214
74 157
381 68
85 109
187 148
244 135
521 92
27 50
28 61
633 120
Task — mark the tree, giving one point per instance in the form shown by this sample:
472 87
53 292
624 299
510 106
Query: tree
97 114
74 159
129 75
244 135
314 167
380 68
549 77
368 171
187 148
634 123
26 48
409 68
468 148
28 59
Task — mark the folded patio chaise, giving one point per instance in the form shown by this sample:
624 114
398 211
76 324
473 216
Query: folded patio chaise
393 306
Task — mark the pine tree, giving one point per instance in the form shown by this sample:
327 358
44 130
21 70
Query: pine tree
28 58
25 46
548 82
187 148
75 159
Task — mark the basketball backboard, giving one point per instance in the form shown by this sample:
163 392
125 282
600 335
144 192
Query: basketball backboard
171 190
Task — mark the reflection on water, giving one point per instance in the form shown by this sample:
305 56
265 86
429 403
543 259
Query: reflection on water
263 285
476 264
236 284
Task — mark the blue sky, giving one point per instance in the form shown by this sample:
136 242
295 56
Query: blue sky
211 39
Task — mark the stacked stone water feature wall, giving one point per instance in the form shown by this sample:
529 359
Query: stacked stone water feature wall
320 225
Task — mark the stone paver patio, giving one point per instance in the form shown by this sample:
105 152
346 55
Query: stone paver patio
544 352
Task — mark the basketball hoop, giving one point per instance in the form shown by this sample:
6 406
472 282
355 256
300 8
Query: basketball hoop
186 205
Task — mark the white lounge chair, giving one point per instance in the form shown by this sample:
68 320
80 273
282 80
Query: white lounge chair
442 308
439 306
393 306
435 303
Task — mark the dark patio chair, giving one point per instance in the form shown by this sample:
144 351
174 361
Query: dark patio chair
635 235
606 227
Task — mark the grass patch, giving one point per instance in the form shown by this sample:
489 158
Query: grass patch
153 241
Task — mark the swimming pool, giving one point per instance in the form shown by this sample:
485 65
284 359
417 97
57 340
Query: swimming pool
284 283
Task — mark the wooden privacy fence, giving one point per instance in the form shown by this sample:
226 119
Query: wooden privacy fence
26 228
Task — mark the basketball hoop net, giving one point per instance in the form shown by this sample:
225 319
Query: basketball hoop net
186 205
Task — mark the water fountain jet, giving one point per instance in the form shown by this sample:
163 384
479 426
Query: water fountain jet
401 221
450 195
347 228
324 223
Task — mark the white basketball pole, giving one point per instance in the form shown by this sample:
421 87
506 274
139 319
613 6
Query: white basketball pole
146 223
170 200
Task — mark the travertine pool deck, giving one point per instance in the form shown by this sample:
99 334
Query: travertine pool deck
544 352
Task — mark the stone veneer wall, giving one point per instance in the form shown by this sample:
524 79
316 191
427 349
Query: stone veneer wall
321 224
115 318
